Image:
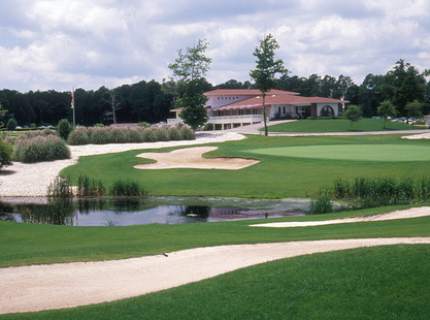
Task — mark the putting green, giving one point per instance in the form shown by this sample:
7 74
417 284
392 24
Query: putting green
356 152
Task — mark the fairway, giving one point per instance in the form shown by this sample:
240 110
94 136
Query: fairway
355 152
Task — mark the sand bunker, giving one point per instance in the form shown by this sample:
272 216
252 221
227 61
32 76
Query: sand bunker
192 158
399 214
42 287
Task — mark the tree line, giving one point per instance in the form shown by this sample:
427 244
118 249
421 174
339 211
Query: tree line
151 101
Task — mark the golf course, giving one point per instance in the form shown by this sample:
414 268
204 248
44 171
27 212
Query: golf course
366 281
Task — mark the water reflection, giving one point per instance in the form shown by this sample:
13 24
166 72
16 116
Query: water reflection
123 212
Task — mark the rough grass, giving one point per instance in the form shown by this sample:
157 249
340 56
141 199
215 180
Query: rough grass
340 125
274 177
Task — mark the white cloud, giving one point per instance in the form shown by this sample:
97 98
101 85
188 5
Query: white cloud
62 43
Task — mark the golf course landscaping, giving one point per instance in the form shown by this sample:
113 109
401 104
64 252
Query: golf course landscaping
341 125
386 282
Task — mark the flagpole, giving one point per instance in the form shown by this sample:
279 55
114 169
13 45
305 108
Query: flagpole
73 107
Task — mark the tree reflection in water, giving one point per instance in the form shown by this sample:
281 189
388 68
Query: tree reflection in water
58 211
198 213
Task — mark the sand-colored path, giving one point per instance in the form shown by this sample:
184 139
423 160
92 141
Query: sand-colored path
399 214
42 287
192 158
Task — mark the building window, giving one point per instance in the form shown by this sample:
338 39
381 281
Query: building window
327 111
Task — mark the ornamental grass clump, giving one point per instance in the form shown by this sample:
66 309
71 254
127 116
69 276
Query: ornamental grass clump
104 135
41 148
78 137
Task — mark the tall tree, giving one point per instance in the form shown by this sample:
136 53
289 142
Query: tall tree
193 101
404 84
267 68
190 68
193 64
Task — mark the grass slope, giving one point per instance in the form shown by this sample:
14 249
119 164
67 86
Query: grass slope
340 125
274 177
369 283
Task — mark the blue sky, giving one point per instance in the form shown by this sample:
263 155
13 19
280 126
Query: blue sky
60 44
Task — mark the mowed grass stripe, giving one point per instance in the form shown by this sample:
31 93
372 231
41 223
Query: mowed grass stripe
356 152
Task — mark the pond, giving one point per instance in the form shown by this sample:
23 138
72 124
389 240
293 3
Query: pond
161 210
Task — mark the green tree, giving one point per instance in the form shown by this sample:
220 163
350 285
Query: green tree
387 109
194 114
3 113
11 124
267 68
5 154
404 84
188 70
414 109
64 129
188 66
353 113
193 64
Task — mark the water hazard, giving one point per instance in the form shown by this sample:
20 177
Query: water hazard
161 210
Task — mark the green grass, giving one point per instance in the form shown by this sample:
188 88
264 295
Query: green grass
23 244
369 283
353 152
340 125
274 177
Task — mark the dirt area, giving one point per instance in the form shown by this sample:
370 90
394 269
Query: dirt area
192 158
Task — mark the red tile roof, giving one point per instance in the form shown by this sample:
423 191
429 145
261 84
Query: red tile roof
283 99
246 92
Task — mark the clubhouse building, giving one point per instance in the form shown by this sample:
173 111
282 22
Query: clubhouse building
230 108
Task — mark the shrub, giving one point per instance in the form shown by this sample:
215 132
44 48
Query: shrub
117 135
175 133
90 188
41 148
99 135
126 188
79 136
321 205
60 188
11 124
64 129
143 124
5 154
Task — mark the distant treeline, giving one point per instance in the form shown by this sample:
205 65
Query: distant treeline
148 102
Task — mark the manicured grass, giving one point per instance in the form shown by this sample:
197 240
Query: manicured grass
369 283
23 244
351 152
340 125
274 177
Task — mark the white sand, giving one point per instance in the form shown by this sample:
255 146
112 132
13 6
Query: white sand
399 214
42 287
192 158
418 136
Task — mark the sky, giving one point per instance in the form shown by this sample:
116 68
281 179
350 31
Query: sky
65 44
